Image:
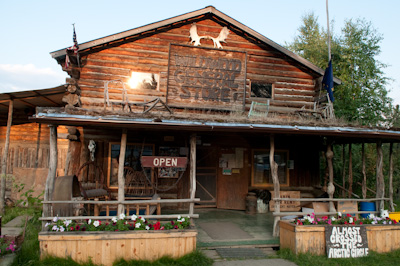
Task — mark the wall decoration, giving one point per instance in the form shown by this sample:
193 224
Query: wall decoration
195 38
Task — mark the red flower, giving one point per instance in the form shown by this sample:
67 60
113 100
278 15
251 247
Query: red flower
77 227
361 222
325 218
71 228
346 222
157 226
348 215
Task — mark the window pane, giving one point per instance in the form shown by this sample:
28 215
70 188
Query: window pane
261 90
262 169
132 159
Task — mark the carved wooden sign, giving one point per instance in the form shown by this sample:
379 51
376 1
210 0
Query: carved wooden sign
346 241
205 78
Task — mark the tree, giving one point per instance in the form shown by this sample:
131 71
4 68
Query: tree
362 96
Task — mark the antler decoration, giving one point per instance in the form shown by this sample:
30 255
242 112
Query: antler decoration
223 35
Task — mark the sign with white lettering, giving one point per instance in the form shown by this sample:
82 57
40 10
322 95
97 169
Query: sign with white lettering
205 78
163 161
345 241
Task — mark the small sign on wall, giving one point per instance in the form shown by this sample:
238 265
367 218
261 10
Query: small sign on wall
345 241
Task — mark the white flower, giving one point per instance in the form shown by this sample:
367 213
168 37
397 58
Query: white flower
137 225
55 219
114 219
62 229
134 217
371 215
47 224
333 219
96 223
339 214
143 220
67 222
90 221
147 227
309 219
179 217
351 220
55 228
122 216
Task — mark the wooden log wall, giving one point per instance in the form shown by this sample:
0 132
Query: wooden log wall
29 146
293 88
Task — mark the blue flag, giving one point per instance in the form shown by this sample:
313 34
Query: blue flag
327 81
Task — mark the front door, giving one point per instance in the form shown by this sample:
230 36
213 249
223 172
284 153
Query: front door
206 175
232 181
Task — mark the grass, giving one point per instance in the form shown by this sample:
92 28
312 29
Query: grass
373 259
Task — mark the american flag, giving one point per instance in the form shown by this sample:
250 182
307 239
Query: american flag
74 48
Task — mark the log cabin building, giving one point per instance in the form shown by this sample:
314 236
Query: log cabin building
197 106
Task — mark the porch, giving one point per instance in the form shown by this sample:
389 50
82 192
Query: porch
230 228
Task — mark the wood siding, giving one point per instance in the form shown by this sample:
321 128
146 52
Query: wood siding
294 88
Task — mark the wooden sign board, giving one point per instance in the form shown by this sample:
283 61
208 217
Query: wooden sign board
206 78
344 241
287 205
163 161
346 207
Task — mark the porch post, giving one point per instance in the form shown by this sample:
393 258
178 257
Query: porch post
192 172
275 180
121 179
380 183
344 170
331 187
350 171
48 194
391 205
364 173
5 156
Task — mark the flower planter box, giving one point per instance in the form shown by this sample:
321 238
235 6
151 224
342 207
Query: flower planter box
311 238
106 247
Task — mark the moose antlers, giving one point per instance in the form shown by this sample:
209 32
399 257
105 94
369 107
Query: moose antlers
217 41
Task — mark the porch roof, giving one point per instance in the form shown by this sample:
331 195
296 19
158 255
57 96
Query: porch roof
354 134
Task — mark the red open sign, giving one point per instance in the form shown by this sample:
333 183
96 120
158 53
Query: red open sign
164 161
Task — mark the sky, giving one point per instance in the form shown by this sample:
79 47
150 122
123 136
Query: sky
32 29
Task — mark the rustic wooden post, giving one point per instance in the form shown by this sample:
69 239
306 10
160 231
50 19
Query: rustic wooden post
331 187
344 170
121 178
275 180
48 194
380 183
350 171
364 173
5 156
391 205
192 172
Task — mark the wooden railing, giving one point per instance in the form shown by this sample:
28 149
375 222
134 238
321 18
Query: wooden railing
125 203
324 200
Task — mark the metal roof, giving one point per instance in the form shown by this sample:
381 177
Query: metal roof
356 134
207 10
28 100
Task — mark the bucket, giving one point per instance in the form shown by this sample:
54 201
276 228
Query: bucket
395 216
367 206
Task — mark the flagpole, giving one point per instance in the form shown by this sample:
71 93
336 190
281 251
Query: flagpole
329 34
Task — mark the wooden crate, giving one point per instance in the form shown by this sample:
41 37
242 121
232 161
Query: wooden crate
286 205
106 247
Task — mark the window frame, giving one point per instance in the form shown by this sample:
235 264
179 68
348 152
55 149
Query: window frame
268 185
262 98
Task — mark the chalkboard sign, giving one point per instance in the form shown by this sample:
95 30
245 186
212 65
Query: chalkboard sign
345 241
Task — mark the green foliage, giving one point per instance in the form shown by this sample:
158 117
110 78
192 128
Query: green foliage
27 198
363 96
391 258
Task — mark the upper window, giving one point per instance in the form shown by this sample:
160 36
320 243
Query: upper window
261 90
262 169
